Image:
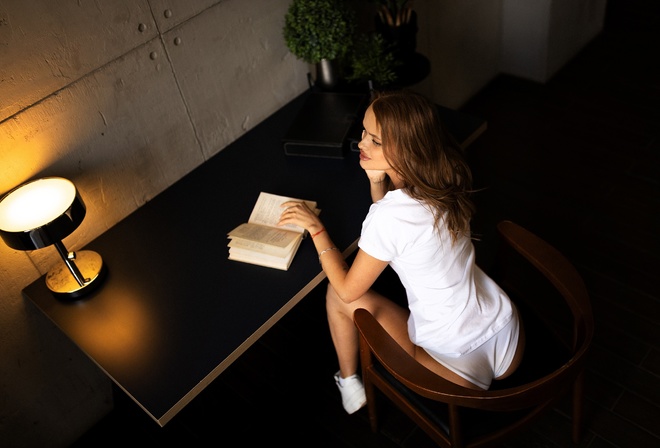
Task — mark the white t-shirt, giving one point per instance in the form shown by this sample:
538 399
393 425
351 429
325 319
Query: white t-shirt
454 306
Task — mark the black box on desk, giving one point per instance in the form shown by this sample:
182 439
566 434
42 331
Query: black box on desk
324 124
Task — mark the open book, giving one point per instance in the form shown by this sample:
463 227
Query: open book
261 241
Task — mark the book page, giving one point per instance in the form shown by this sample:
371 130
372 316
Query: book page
259 259
264 235
252 246
262 259
267 211
261 241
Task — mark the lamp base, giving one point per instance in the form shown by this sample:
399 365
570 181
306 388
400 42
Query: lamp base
63 284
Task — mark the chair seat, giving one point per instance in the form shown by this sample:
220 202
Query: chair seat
544 352
438 412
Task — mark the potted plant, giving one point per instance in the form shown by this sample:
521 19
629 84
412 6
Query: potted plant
395 13
320 32
372 60
397 22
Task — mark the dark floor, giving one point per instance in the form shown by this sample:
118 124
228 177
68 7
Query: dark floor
575 161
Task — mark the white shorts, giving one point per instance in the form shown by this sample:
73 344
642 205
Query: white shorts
490 360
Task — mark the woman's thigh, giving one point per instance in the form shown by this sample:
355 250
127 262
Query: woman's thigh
393 317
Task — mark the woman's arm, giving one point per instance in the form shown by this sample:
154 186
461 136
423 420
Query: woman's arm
349 283
352 282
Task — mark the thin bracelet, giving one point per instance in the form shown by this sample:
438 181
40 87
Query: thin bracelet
319 232
326 250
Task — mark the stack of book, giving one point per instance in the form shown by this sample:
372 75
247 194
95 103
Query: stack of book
261 241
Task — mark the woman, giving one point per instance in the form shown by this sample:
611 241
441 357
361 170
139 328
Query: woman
458 322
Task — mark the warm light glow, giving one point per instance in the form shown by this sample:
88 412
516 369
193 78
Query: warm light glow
117 330
36 203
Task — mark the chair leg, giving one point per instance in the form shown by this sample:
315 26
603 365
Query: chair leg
578 397
456 434
371 403
367 363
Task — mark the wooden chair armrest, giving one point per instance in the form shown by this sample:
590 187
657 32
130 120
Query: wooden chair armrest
403 366
552 263
557 269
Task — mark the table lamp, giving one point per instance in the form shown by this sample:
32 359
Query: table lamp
41 213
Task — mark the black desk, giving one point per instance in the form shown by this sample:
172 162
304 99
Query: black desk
174 312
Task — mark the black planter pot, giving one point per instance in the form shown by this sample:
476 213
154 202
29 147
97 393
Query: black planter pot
327 74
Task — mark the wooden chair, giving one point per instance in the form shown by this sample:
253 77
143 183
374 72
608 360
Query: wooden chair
556 314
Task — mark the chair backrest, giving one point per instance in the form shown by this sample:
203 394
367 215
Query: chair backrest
553 362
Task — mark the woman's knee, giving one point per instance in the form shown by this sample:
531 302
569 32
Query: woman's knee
331 295
332 300
330 292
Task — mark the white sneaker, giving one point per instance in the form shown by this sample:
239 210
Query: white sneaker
352 393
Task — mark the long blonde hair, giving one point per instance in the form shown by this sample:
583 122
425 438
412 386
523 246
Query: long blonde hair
426 158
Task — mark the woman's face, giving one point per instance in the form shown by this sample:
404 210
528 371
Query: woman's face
371 149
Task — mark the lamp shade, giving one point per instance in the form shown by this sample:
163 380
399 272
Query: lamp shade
40 213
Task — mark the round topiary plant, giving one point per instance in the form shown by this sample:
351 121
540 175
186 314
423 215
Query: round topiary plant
319 29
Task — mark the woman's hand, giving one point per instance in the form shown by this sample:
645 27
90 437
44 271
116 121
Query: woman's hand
377 185
298 213
376 176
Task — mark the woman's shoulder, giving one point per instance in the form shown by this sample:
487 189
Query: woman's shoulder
397 197
398 205
391 202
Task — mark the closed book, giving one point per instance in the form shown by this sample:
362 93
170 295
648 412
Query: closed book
323 125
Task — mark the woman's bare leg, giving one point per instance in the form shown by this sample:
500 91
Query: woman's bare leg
345 335
394 320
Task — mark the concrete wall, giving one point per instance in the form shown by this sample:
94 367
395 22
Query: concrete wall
124 97
462 40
